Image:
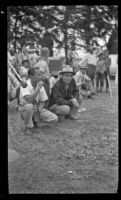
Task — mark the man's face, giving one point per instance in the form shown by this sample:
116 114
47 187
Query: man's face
12 51
26 64
37 76
76 69
24 50
83 70
67 77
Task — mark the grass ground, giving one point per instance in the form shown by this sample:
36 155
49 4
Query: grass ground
71 157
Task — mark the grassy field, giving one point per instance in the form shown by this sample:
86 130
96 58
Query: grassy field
71 157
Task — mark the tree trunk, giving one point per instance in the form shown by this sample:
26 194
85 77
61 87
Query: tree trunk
15 31
65 36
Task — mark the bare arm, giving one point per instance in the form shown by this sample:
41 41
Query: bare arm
31 98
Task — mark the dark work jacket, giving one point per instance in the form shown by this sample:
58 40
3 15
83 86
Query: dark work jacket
61 96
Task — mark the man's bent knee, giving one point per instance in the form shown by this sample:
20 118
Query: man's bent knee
54 118
29 107
64 110
80 99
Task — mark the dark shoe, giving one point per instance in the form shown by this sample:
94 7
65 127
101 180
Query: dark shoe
73 117
37 125
93 93
90 97
29 131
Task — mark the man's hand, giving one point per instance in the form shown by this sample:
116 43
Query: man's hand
75 102
23 84
39 84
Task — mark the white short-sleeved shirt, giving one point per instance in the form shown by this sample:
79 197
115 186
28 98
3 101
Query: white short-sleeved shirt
43 67
91 59
23 71
42 96
81 78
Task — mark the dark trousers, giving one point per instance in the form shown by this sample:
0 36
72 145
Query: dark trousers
106 79
100 80
91 73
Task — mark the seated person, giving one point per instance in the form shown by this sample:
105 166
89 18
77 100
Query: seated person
83 82
33 60
65 99
32 99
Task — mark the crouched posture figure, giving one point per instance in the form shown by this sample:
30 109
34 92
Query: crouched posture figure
65 99
83 82
32 100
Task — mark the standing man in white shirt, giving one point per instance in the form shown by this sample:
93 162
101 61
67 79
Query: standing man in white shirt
23 56
32 99
42 65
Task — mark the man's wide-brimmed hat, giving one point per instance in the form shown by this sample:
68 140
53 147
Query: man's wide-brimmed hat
83 65
67 69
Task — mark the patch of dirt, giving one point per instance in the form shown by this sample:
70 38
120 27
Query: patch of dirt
73 156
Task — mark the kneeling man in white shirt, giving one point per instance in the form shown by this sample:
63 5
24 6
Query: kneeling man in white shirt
32 100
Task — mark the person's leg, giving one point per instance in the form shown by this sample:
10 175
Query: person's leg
85 93
91 89
47 89
80 103
97 81
48 116
102 82
80 99
61 110
107 84
27 115
73 111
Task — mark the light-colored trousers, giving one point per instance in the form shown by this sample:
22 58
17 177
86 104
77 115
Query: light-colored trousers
28 111
64 110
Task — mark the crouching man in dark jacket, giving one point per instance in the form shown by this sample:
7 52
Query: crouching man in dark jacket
65 99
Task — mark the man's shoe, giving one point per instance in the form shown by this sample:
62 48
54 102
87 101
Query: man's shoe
93 93
73 117
29 131
37 125
90 97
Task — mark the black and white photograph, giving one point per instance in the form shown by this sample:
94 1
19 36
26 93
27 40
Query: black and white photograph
62 99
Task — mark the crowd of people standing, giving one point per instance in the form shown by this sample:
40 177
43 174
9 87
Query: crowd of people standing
47 98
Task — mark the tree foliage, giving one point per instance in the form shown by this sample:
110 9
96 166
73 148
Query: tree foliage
62 24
